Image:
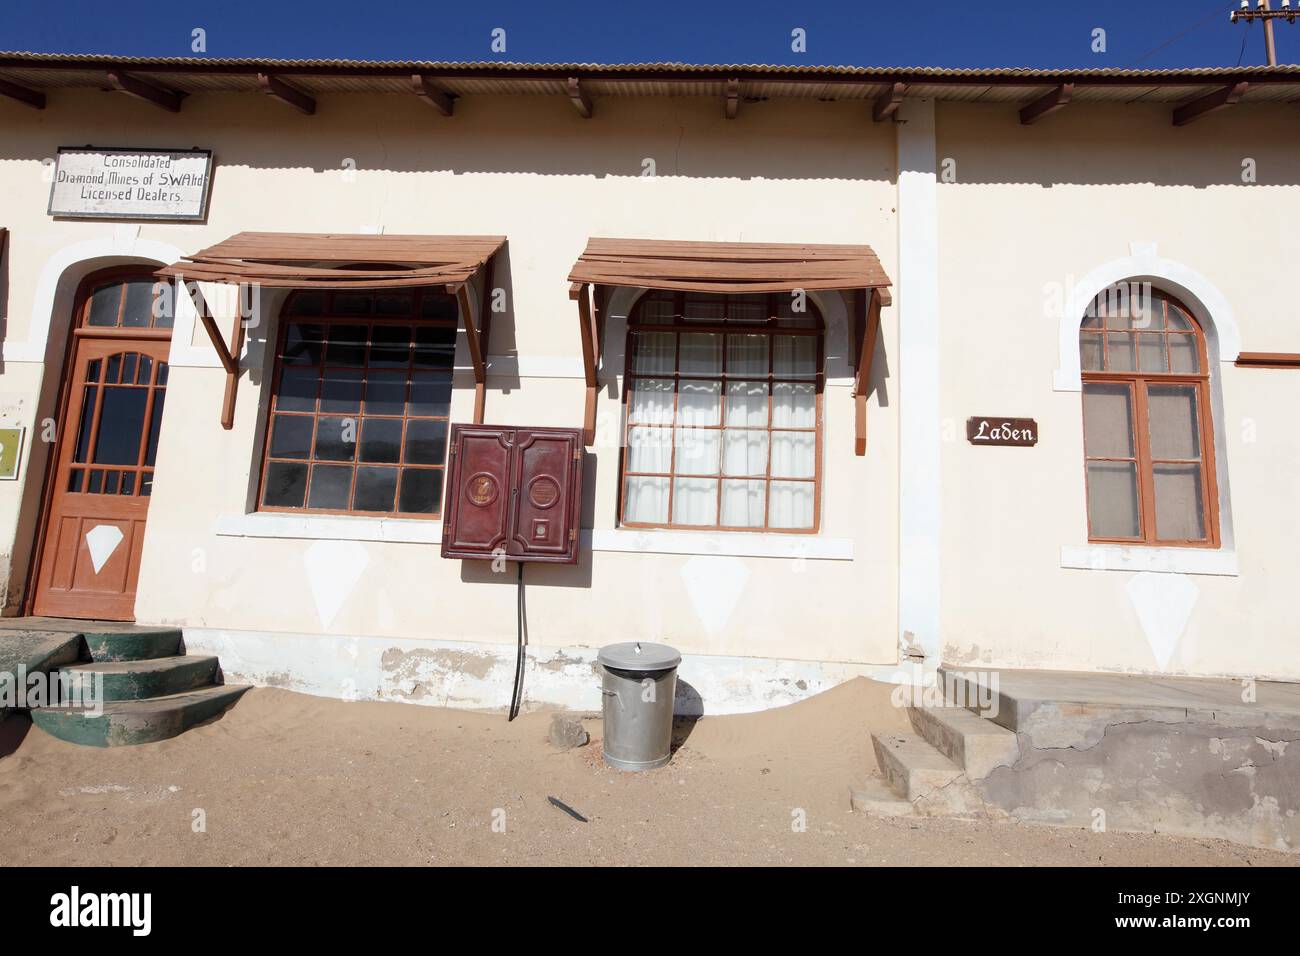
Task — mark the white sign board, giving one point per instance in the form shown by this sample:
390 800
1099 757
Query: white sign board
94 182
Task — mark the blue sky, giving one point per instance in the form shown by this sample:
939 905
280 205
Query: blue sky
1042 33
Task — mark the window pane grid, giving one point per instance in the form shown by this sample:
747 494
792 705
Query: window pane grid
704 459
360 410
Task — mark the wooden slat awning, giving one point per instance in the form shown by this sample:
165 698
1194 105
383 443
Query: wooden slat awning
288 260
729 267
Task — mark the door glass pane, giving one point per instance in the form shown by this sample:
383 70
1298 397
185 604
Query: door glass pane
137 313
104 304
704 307
1180 510
85 423
435 347
298 390
1113 499
695 501
1172 413
1108 421
155 424
121 423
390 346
303 343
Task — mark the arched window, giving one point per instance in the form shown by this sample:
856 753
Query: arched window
1148 431
723 413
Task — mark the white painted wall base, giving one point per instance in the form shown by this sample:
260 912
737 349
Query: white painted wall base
472 676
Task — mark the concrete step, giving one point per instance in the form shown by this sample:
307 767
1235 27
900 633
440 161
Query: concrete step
129 722
974 692
137 679
134 644
873 796
910 766
974 743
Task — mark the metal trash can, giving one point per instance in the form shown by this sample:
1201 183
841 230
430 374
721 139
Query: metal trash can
639 683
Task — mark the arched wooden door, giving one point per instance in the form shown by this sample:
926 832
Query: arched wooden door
98 495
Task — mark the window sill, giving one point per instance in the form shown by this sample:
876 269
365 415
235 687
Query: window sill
1117 557
738 544
266 524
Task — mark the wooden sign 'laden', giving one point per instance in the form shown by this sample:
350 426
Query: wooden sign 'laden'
1019 432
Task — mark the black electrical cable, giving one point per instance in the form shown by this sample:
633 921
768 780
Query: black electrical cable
516 696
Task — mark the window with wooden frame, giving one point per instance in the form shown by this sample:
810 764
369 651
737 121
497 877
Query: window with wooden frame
1148 429
360 402
723 413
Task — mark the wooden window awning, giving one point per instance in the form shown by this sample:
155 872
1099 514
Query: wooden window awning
282 260
733 268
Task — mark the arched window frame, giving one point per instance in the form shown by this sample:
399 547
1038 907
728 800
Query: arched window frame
778 319
1110 318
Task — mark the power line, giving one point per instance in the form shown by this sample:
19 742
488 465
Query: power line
1218 10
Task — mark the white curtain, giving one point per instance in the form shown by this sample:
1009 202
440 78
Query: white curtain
645 500
695 501
792 504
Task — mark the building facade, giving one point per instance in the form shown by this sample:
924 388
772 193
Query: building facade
791 485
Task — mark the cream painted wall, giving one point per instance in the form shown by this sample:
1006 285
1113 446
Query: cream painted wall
1031 211
528 168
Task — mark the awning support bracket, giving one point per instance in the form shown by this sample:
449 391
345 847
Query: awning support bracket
579 291
476 338
229 357
867 315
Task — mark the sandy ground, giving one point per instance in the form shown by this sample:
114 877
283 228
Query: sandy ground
284 778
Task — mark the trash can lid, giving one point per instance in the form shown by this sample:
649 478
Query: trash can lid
639 656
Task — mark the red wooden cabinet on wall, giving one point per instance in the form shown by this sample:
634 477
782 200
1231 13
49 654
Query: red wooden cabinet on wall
513 492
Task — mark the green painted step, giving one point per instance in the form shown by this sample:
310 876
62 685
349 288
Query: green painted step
128 722
137 644
137 679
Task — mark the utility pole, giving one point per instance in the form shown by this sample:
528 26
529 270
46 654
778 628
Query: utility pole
1264 13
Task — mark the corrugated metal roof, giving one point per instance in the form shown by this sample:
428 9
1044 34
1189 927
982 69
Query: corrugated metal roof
758 80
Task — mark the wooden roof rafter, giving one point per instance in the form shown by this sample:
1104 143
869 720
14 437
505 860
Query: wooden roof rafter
580 98
22 94
438 98
1209 103
159 96
1047 104
283 91
887 103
